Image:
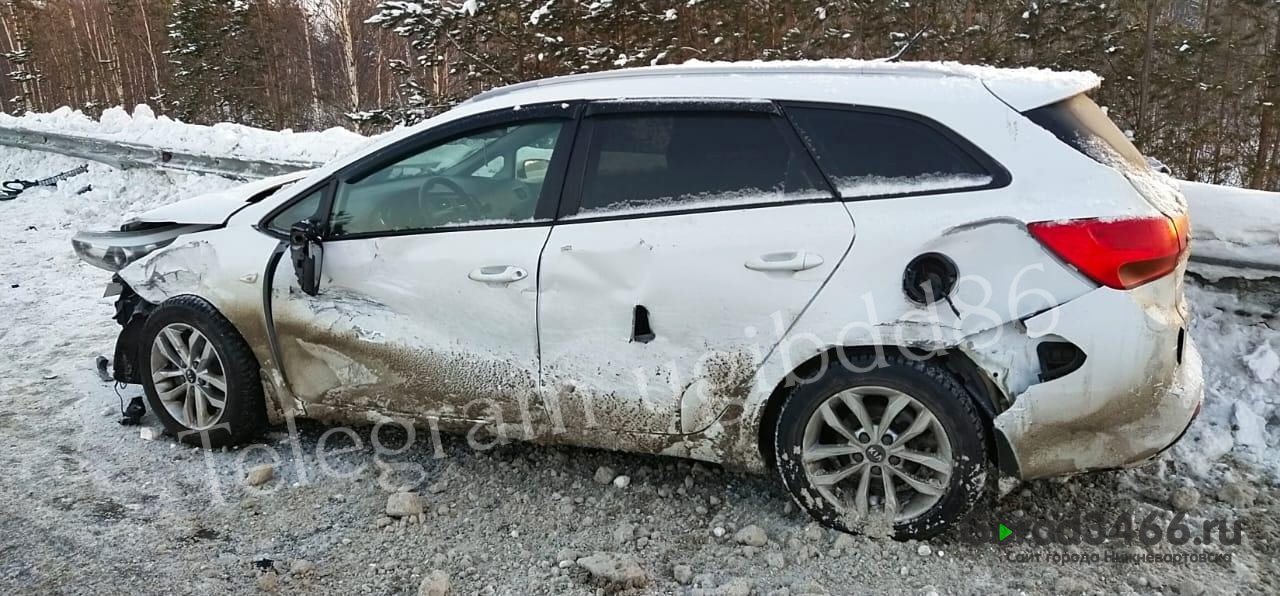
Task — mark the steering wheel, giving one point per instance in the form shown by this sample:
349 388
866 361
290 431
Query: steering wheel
458 198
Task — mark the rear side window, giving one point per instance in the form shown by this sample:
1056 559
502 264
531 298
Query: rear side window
876 154
638 163
1080 123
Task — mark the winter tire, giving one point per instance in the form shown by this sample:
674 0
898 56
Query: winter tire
200 377
901 441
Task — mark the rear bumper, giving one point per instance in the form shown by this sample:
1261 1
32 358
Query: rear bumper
1135 396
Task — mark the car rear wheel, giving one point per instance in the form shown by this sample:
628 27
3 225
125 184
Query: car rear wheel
901 442
200 377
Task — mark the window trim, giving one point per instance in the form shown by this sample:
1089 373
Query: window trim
571 199
544 209
1000 176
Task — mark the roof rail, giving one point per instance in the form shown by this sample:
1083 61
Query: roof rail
720 69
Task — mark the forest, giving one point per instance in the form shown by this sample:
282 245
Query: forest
1195 82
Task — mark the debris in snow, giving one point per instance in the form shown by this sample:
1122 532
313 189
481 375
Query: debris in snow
1191 587
1250 427
1184 498
149 433
807 587
624 532
734 587
260 475
269 582
683 574
615 571
622 481
404 504
436 584
604 475
1263 362
1238 494
302 567
751 535
924 550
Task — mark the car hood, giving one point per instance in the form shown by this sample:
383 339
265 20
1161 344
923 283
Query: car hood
216 208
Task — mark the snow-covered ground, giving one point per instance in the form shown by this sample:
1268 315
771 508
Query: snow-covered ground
89 506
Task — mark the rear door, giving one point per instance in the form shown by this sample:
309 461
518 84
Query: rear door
691 236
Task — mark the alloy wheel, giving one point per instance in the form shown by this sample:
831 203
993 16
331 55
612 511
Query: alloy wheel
188 376
877 450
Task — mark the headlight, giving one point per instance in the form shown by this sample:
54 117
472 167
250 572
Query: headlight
114 251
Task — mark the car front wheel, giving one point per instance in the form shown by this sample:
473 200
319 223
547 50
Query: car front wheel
900 442
200 377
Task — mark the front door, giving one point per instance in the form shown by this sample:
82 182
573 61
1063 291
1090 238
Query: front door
700 233
428 295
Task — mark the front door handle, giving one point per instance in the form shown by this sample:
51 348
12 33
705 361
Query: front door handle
785 261
498 274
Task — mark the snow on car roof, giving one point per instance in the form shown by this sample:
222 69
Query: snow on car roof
1024 85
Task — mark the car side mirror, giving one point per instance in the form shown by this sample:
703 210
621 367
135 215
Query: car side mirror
307 254
532 169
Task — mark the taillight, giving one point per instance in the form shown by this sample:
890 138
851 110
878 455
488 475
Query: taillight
1120 254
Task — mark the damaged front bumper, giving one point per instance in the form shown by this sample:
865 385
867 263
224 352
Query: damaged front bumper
1134 397
131 313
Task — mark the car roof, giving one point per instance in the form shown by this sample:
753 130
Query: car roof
1022 88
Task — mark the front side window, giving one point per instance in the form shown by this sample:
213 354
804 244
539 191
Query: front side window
493 176
638 163
308 206
877 154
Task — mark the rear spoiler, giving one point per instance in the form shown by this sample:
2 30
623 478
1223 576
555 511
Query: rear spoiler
1024 93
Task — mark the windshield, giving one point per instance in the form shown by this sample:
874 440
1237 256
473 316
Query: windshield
1079 122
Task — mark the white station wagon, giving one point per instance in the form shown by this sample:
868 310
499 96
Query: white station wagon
873 279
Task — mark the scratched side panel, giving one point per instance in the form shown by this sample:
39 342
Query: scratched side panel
714 319
399 328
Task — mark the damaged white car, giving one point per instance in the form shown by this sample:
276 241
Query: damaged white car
873 279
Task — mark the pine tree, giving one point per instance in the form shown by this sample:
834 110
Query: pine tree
211 54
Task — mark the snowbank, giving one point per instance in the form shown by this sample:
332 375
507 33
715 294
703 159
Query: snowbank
1239 428
223 139
1235 224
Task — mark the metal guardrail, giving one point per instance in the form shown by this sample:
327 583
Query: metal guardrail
1235 263
129 155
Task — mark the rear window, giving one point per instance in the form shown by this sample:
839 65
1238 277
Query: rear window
1084 126
877 154
639 163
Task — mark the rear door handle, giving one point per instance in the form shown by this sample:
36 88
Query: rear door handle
498 274
785 261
